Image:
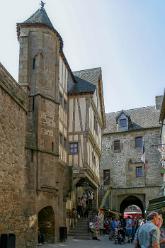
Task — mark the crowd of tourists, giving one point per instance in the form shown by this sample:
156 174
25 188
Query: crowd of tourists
143 233
119 229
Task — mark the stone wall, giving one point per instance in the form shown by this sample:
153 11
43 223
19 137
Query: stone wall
123 163
13 215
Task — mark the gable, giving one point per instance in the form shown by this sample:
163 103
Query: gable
94 76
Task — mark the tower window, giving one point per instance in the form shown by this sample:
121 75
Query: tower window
52 146
34 63
93 158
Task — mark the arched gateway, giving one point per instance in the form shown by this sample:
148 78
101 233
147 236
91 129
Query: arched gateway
131 200
46 223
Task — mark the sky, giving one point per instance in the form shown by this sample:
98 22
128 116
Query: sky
126 38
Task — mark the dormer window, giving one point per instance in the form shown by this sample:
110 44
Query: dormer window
123 123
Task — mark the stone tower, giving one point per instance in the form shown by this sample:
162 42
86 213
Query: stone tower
40 46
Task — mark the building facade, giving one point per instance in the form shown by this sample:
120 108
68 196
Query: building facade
162 143
130 163
54 122
86 122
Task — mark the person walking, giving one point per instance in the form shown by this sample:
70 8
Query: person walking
148 235
129 229
162 232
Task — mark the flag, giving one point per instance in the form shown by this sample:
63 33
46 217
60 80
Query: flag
143 159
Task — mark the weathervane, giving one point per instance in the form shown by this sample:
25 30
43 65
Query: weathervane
42 4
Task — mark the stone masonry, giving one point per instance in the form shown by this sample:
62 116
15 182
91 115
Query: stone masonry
13 196
125 186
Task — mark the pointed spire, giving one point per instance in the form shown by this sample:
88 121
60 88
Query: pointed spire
40 17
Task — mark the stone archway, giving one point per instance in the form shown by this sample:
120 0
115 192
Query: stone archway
46 224
131 200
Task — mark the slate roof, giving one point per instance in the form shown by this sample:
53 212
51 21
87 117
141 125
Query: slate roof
40 17
90 75
146 117
82 86
93 76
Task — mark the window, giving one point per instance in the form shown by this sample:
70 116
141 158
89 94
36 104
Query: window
33 103
73 147
139 171
93 158
52 146
116 145
123 122
106 177
138 142
34 64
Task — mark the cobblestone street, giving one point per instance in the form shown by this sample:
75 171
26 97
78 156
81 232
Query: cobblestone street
74 243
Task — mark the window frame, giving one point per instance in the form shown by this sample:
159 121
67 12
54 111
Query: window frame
116 146
139 174
120 121
137 142
106 173
73 150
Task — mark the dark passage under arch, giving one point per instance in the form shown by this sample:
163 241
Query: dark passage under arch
46 224
131 200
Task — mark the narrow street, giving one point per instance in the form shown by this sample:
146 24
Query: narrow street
74 243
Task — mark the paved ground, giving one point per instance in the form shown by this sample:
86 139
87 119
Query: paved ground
75 243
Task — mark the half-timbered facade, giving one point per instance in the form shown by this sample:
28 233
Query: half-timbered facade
86 121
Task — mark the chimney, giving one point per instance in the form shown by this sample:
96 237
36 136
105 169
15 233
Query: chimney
158 102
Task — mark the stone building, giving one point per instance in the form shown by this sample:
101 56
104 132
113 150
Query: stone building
130 164
86 121
162 142
53 121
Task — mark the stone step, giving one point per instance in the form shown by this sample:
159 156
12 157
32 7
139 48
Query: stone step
78 231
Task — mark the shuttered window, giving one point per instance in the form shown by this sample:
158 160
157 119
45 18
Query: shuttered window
106 177
117 145
138 142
